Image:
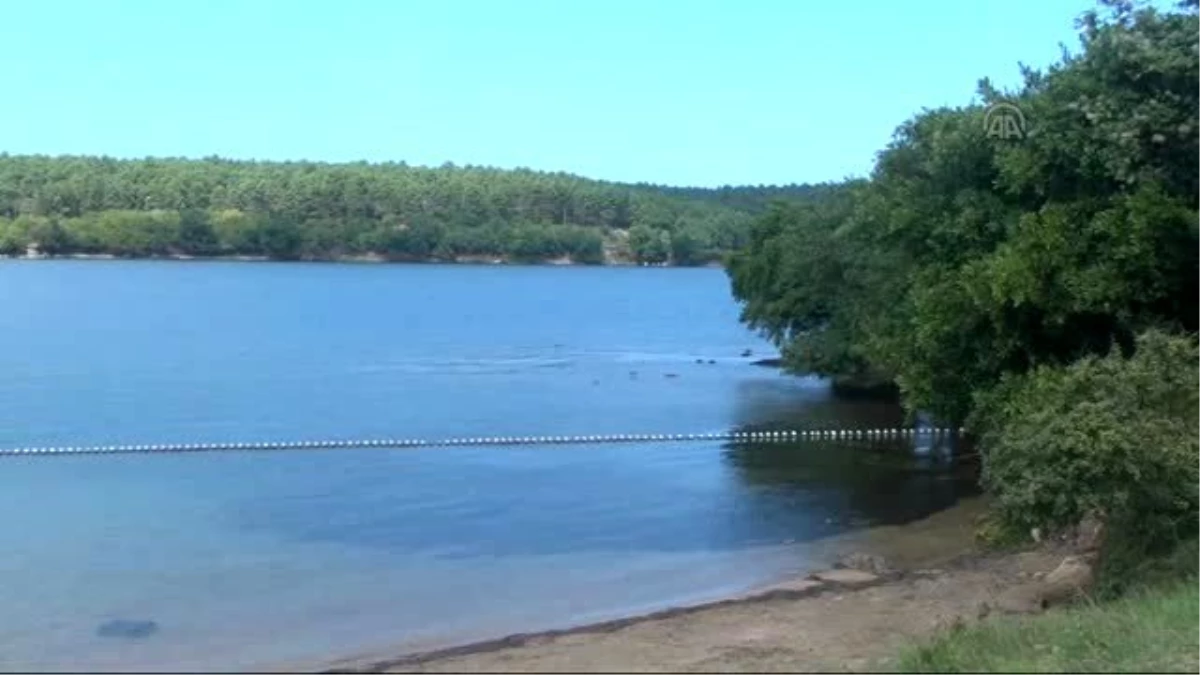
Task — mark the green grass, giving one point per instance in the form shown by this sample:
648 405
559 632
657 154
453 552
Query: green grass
1154 630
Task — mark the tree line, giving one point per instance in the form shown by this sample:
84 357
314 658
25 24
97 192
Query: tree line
309 210
1039 287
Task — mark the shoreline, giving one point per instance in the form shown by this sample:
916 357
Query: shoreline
792 590
364 259
943 539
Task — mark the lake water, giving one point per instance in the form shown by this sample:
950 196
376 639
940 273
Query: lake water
250 559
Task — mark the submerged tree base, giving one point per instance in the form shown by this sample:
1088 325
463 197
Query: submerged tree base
846 386
865 387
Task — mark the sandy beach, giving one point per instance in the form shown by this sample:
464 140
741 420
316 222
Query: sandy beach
839 619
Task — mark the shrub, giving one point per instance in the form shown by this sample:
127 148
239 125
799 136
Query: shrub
1129 561
994 533
1115 434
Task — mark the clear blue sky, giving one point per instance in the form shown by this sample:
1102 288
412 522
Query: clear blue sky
691 92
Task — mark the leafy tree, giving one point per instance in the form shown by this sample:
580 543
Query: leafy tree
196 235
276 238
49 235
967 257
690 246
649 244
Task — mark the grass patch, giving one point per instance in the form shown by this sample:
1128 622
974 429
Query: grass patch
1154 630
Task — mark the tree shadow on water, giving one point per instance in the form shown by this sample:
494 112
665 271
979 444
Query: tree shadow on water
848 483
856 483
630 497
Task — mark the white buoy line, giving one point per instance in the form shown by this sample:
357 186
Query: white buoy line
733 436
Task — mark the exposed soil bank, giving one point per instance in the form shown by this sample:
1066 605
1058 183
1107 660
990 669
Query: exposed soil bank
841 620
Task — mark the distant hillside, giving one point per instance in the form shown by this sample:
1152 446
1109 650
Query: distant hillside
752 199
311 210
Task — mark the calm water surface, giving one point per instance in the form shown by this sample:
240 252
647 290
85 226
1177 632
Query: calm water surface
248 559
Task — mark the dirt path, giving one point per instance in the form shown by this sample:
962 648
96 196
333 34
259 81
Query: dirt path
842 620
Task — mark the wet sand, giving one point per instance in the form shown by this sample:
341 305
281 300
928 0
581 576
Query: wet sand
843 620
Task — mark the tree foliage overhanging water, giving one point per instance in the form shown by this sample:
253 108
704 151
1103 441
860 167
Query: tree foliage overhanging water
969 253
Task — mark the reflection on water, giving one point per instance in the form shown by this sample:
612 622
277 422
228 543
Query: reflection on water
859 482
854 482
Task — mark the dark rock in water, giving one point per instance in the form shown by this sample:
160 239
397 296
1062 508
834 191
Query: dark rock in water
699 360
747 353
711 361
769 363
670 375
127 628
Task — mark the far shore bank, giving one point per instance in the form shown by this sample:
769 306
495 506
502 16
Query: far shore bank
373 259
724 634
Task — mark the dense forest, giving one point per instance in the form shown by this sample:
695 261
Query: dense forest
305 210
1038 285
